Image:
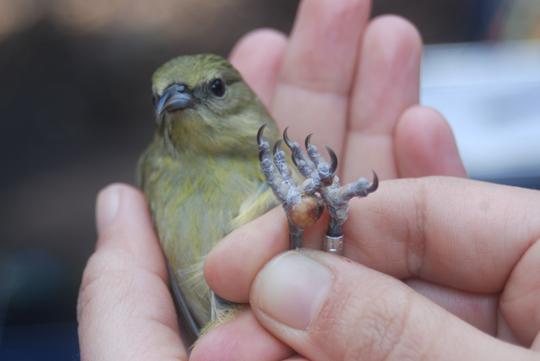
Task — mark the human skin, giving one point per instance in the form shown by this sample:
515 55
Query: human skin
476 241
368 103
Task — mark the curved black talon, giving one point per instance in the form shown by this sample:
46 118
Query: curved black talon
333 157
307 141
374 183
259 134
287 139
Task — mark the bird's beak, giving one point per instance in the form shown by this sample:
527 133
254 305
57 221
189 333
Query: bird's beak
175 97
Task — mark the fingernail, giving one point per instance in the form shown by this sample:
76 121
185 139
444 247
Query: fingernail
292 288
107 206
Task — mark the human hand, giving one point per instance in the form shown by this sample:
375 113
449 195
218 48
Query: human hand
354 85
477 239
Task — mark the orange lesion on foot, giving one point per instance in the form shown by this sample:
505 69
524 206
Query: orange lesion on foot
307 211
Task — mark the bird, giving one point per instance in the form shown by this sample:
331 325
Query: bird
201 171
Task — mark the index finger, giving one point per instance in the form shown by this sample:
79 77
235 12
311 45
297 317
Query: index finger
455 232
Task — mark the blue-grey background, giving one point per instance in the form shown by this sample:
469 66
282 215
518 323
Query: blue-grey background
75 113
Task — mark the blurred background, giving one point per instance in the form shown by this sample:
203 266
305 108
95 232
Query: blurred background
75 113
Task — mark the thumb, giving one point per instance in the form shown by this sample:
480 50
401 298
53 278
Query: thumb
329 308
125 311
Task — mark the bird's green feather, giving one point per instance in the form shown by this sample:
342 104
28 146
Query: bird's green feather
201 172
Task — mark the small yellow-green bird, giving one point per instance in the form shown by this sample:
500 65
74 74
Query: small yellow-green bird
210 169
201 172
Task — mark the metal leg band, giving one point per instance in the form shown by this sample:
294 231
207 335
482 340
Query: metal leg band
333 244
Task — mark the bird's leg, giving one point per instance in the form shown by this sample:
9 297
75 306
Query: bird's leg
321 177
335 196
302 205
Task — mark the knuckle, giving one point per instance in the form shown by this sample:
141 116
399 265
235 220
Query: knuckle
416 240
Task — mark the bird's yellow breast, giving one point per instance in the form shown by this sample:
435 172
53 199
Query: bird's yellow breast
196 201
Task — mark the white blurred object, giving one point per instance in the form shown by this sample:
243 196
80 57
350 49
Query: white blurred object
490 94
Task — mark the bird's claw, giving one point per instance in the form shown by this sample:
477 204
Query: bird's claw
303 206
321 187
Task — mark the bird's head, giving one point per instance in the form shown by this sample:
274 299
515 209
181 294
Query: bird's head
202 105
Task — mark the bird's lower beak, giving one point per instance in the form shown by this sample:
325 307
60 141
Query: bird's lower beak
173 100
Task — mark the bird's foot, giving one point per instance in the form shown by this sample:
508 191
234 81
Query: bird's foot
321 175
303 205
320 187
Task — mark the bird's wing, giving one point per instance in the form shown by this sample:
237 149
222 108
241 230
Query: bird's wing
255 206
189 326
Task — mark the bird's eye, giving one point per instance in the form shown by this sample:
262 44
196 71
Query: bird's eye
217 87
154 99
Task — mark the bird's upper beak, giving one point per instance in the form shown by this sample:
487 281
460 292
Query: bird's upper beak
175 97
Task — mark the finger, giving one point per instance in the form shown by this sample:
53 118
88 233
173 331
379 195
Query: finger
478 310
521 297
455 232
424 145
125 310
258 57
318 67
240 339
387 82
271 234
235 256
339 310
